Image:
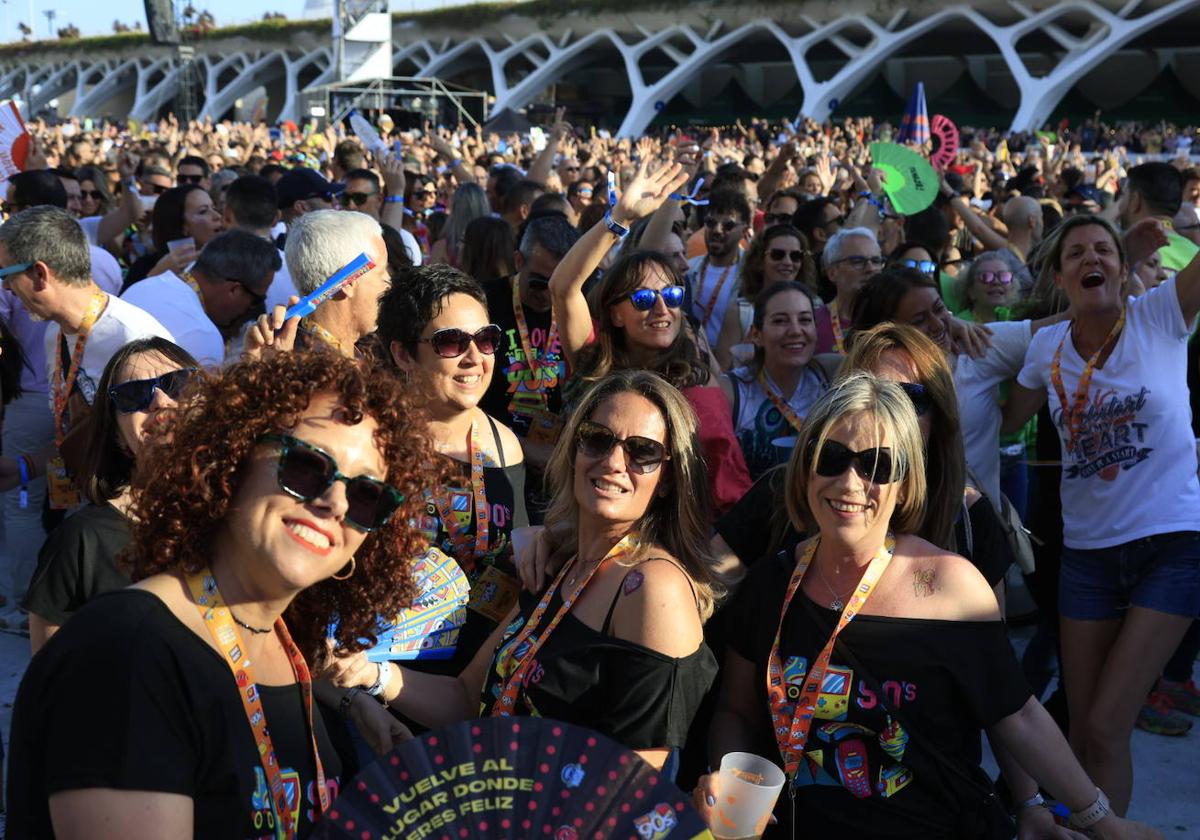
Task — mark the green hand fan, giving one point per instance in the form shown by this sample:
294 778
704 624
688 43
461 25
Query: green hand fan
908 179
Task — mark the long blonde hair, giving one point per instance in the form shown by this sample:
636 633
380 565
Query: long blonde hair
678 520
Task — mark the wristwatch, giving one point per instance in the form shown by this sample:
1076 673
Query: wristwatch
1092 814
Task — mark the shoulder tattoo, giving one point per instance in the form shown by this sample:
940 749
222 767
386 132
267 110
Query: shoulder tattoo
923 583
632 582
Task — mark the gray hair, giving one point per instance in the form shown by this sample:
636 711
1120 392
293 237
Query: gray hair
52 236
470 203
833 248
965 281
239 255
554 233
321 242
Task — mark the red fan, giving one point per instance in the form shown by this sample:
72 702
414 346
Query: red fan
944 134
511 778
14 140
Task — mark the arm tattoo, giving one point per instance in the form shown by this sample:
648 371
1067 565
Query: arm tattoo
632 581
923 583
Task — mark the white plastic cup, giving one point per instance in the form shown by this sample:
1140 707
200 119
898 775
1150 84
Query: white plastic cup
749 786
176 244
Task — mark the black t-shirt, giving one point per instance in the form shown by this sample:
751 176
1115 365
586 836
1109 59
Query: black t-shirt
504 487
513 397
863 772
637 696
126 696
77 562
757 526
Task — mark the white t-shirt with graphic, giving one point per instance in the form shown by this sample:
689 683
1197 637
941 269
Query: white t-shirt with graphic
703 289
1133 471
119 324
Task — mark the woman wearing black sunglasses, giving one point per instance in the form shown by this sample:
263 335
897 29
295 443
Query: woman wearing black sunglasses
78 561
640 323
270 505
907 640
435 328
614 641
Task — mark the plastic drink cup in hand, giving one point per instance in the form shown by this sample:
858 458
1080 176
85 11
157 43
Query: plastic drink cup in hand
175 244
749 786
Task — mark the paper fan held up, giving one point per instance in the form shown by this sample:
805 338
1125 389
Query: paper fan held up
945 142
908 179
511 777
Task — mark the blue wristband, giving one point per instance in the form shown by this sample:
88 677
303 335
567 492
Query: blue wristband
615 226
394 199
23 469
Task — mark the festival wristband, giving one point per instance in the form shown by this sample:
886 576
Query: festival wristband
394 199
1092 814
690 198
1035 801
385 676
23 468
616 227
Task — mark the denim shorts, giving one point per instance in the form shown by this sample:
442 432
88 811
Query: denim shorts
1159 572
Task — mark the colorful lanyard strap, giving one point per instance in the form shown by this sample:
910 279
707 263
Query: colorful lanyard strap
1073 413
712 301
62 385
532 358
315 330
460 536
190 279
219 621
781 405
792 735
835 321
504 706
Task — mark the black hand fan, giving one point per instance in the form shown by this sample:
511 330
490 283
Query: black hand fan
514 777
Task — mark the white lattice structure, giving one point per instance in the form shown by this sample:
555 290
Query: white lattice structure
521 58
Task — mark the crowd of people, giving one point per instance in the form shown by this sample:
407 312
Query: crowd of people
734 456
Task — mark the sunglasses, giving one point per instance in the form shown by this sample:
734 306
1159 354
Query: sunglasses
537 281
358 199
838 220
189 179
776 219
922 400
424 194
862 262
16 268
873 465
643 300
94 195
726 224
571 168
138 394
778 254
585 193
923 266
306 472
596 441
994 278
156 189
452 342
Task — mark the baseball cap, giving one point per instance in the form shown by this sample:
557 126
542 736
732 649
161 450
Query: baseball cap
301 183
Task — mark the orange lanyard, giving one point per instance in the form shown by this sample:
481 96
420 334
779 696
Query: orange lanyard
712 301
781 405
835 321
504 706
219 621
1073 413
792 724
310 328
531 356
448 504
191 281
62 385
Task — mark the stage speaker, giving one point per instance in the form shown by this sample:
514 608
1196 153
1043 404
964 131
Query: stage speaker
160 20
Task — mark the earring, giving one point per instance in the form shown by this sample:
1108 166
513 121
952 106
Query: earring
348 574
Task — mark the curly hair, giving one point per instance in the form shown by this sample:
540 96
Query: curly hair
183 492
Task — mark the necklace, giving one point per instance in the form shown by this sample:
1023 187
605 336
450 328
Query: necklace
241 623
836 604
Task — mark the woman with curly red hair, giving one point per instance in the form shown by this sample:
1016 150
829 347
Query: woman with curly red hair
276 500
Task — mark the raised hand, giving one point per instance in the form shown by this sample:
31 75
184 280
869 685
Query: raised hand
648 191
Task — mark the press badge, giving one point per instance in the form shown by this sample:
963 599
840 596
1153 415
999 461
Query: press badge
494 594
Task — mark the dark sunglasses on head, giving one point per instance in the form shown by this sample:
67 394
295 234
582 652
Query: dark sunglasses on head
993 278
778 254
873 465
596 441
726 224
94 195
358 199
777 219
189 179
922 400
923 266
306 472
453 342
138 394
643 300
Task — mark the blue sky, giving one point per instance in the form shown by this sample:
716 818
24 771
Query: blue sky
94 18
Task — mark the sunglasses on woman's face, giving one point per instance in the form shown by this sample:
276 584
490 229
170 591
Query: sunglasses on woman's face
778 255
643 300
94 195
994 278
138 394
873 465
306 472
643 454
776 219
452 342
922 400
923 266
726 224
